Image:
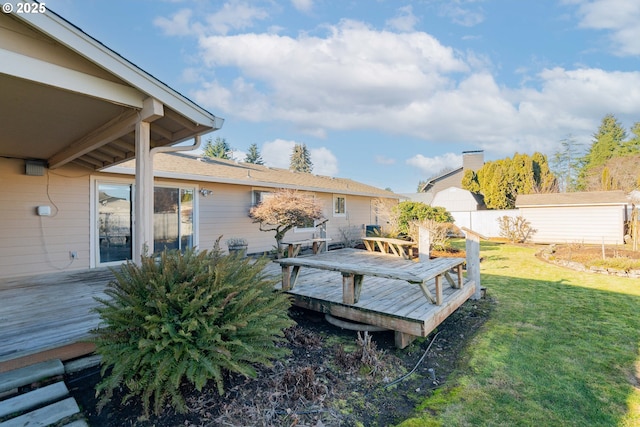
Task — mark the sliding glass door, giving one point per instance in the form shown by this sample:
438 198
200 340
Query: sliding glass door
114 222
173 220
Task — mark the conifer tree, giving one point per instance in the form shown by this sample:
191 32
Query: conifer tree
253 155
501 181
566 163
607 143
300 159
219 149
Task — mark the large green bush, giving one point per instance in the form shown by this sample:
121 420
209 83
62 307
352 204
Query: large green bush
408 212
183 320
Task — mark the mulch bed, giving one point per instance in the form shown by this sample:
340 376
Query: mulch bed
333 377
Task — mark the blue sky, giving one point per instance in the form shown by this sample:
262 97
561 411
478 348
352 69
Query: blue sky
386 92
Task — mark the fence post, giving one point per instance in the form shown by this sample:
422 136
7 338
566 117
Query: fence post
473 259
424 241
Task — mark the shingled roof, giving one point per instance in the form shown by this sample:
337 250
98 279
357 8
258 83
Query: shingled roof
585 198
189 167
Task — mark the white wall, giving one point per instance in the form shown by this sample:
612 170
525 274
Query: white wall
483 222
573 224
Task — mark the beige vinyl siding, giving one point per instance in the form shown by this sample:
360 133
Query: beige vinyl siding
225 213
573 224
30 243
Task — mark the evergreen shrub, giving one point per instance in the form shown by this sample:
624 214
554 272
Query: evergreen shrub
172 324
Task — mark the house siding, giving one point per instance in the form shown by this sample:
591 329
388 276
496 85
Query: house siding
576 224
31 244
225 213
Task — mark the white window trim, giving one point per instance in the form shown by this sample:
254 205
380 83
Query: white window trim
315 222
333 206
93 220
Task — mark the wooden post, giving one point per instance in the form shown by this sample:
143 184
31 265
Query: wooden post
473 259
423 244
439 289
348 288
286 278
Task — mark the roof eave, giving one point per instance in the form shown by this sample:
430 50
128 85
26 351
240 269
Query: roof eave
253 183
80 42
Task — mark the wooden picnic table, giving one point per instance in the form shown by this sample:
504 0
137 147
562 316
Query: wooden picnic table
354 264
317 245
386 245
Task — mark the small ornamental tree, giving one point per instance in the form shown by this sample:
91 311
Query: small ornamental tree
174 323
284 210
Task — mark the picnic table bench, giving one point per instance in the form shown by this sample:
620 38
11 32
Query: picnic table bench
353 272
317 245
386 245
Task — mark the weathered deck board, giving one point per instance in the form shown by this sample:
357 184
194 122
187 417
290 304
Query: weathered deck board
42 312
389 303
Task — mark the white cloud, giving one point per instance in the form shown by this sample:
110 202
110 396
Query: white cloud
302 5
408 84
619 17
324 161
430 166
178 25
351 77
233 15
404 21
277 154
462 12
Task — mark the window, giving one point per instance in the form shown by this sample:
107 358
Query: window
115 221
260 195
339 205
173 220
310 225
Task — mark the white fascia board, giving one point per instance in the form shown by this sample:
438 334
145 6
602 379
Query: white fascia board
81 43
46 73
251 183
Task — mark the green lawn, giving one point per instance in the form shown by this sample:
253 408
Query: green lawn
561 349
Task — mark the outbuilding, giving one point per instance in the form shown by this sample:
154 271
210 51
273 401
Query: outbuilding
593 217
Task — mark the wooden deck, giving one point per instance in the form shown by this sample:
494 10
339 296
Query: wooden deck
49 316
389 303
46 312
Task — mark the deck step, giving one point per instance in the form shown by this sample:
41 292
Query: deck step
30 374
45 416
48 404
35 398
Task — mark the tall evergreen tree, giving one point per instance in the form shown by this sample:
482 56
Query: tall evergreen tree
219 149
301 159
607 143
566 163
253 155
632 146
501 181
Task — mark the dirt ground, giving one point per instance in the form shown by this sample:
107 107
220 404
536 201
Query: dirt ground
333 377
585 253
329 379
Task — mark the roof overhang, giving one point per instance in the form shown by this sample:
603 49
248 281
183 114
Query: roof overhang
84 107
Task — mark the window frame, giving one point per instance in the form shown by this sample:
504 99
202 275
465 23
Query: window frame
335 199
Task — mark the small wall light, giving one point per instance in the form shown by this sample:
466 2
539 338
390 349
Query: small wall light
205 192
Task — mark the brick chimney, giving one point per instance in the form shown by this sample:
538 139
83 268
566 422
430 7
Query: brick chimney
473 160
